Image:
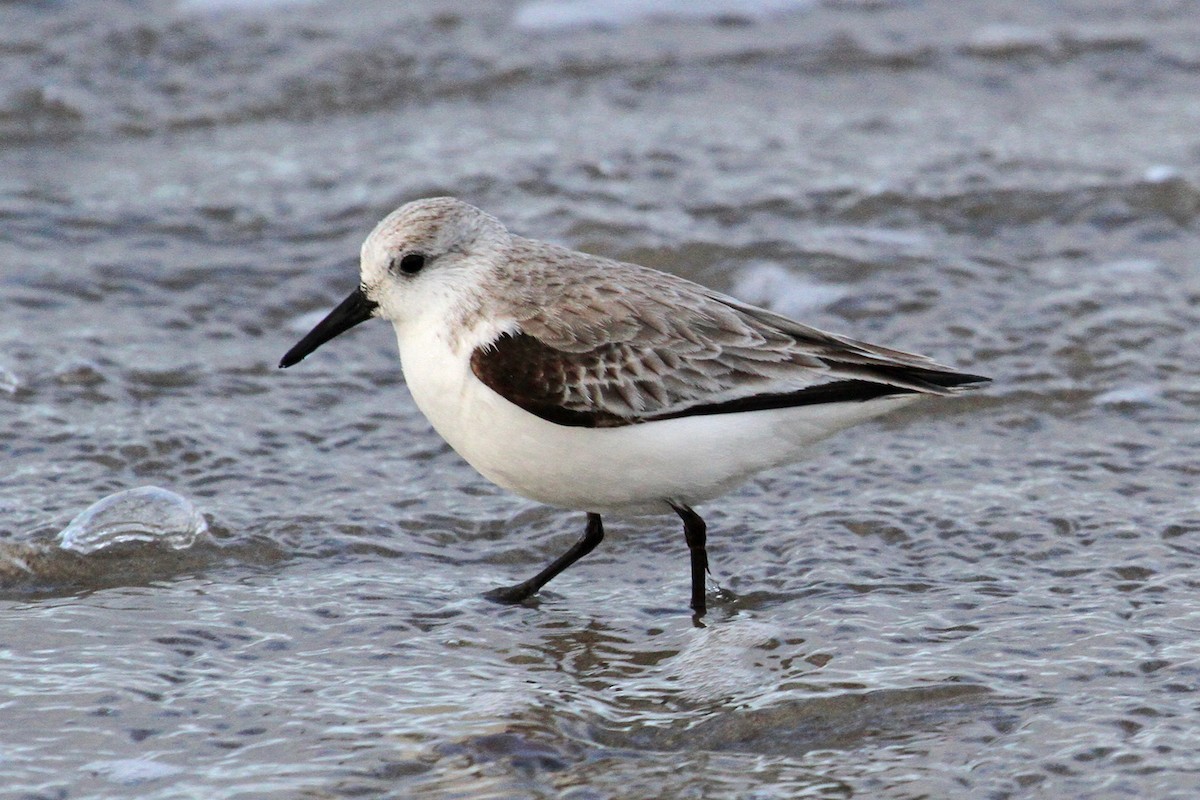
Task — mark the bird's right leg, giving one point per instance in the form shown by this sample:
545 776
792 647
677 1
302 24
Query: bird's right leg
694 531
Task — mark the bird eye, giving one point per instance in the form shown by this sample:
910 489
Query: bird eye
410 264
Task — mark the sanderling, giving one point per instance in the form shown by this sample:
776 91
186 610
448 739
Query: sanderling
601 386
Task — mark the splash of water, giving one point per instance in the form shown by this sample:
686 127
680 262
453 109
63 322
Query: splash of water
145 514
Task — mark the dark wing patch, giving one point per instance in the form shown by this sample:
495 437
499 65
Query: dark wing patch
538 378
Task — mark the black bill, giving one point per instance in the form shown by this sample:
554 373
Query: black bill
350 312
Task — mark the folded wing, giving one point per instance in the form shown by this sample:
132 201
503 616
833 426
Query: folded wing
630 348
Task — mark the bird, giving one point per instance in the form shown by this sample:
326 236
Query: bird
601 386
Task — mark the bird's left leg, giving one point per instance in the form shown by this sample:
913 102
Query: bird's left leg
593 534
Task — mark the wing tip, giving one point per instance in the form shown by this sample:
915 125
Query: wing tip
952 382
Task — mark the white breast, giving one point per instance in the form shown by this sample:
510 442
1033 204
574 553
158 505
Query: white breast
632 469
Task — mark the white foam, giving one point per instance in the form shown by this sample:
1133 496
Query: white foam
1161 173
221 6
782 290
305 321
1144 394
133 771
1004 39
1129 266
9 382
547 15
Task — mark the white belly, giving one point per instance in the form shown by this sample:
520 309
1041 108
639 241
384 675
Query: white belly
633 469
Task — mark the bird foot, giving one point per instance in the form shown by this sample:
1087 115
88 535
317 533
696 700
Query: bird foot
511 595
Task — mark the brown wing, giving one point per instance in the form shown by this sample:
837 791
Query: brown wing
615 344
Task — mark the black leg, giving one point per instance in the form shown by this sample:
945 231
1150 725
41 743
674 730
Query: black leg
694 531
593 534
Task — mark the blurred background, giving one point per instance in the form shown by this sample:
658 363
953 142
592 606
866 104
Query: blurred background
988 596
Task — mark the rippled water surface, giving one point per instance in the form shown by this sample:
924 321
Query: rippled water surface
988 596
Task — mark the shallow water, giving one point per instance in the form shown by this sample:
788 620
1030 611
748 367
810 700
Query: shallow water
991 596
